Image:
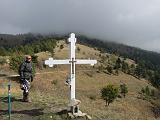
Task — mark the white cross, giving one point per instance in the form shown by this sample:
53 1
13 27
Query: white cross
72 61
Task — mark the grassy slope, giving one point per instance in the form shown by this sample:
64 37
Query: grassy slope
50 95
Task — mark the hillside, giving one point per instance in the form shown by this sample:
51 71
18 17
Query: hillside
50 95
149 59
9 40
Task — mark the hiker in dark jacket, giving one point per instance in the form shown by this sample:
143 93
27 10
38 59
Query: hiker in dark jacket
26 76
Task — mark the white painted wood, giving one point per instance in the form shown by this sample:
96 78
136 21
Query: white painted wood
91 62
52 62
72 61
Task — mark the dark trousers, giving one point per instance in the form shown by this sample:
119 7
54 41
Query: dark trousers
26 87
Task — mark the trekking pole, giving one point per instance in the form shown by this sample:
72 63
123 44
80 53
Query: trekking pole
9 100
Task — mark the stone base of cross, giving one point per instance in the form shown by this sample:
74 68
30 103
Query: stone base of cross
72 61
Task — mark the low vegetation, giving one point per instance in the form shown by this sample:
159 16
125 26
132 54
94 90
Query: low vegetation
147 93
123 89
109 93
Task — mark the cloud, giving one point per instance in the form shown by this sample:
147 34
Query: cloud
132 22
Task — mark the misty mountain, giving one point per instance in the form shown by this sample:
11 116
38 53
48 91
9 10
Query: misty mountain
148 59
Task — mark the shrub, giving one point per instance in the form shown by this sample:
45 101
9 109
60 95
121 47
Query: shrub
15 62
100 68
61 46
125 67
109 69
147 93
55 82
2 60
109 93
123 89
78 49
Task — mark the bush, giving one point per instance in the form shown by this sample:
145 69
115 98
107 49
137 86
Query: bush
100 68
61 46
118 64
2 60
155 79
34 59
147 93
116 72
125 67
123 89
109 69
15 62
109 93
78 49
54 82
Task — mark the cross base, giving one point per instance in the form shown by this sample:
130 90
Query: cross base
74 112
78 114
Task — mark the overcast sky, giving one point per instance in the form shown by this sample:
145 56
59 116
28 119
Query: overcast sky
132 22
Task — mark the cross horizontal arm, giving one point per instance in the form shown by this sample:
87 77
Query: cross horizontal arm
52 62
91 62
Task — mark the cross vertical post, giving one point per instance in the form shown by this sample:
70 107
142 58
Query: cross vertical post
72 41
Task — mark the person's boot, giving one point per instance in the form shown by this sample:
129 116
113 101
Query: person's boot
27 98
24 97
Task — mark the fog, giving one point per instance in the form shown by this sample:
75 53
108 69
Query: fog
131 22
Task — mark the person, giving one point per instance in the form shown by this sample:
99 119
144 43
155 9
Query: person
26 77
